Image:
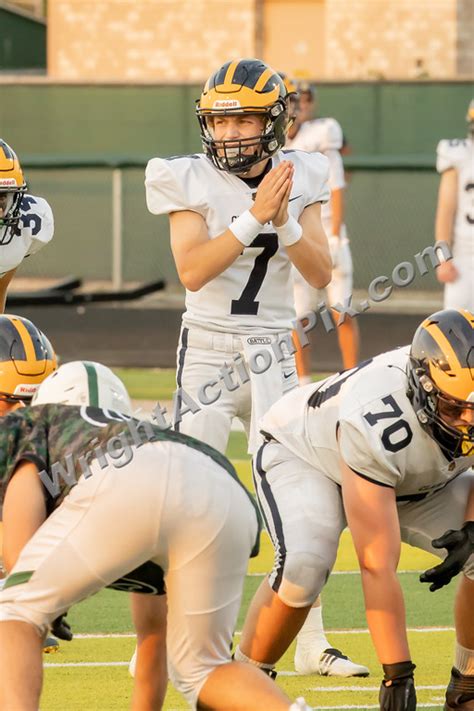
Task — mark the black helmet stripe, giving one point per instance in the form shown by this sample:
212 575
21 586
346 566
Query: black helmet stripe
37 342
7 150
9 335
460 334
219 77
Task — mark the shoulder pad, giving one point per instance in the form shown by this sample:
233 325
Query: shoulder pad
449 153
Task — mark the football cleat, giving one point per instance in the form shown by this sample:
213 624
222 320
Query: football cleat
331 662
133 664
300 705
50 645
460 692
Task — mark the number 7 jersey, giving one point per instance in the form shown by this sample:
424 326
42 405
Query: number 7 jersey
254 294
366 410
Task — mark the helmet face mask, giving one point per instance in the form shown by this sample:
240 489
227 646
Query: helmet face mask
12 188
441 380
245 87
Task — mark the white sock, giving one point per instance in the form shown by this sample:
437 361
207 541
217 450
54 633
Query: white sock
239 656
305 379
311 635
464 660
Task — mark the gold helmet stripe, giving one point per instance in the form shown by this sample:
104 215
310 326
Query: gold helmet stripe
26 340
264 77
229 75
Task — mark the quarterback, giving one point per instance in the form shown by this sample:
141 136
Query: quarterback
241 214
455 217
325 135
203 559
26 221
387 447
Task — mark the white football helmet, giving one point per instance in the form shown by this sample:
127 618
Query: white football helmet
83 382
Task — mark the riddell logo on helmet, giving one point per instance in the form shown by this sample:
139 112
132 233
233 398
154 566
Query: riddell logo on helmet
226 104
7 182
25 390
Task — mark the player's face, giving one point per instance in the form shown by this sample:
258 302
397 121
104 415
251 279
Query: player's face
6 407
238 128
306 107
456 414
4 203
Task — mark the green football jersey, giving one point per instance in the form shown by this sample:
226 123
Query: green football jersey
63 441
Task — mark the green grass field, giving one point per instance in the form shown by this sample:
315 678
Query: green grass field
90 673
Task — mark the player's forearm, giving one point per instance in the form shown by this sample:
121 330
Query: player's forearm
312 260
469 515
446 208
385 611
337 211
206 261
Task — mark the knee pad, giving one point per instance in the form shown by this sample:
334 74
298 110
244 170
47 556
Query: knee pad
300 578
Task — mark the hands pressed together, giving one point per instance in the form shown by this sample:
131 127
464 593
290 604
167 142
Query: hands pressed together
273 194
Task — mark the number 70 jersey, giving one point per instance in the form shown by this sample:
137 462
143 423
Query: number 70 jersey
255 293
364 416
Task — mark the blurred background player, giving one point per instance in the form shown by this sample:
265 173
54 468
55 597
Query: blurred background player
26 359
455 216
324 135
203 561
26 221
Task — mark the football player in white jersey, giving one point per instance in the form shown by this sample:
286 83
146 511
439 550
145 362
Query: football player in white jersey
148 477
325 136
388 447
26 222
26 359
455 216
240 215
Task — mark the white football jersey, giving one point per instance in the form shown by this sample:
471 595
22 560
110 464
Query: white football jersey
254 294
459 154
34 230
323 135
379 434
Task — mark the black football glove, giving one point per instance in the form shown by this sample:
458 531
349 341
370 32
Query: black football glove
397 691
460 546
61 628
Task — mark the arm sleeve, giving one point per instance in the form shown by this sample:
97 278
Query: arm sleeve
317 178
169 186
364 454
445 156
45 235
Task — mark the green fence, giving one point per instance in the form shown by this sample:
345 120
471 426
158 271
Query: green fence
63 120
390 214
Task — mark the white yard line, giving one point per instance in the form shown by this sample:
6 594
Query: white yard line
362 630
341 572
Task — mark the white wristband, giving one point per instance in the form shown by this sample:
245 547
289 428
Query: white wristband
290 232
246 227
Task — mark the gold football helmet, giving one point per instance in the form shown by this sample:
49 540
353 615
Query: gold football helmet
26 358
441 379
470 118
12 187
243 86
